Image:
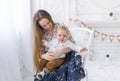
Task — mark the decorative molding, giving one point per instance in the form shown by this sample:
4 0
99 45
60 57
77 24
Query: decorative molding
114 24
67 12
41 4
106 4
88 10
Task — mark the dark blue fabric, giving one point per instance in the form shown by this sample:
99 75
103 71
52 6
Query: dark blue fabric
70 70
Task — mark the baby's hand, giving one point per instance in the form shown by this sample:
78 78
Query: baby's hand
83 49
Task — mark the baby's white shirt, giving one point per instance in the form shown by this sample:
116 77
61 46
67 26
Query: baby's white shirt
55 45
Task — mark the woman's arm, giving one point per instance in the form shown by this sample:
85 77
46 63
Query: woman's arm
53 55
57 53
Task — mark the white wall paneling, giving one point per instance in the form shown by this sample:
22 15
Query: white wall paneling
97 14
35 5
59 9
95 10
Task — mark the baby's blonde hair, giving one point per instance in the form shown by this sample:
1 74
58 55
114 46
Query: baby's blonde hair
64 28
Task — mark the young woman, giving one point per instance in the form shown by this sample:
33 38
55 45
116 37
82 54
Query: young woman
45 28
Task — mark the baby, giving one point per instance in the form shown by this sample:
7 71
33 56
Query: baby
61 41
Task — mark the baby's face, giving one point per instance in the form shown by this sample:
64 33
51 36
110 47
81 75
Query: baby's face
62 36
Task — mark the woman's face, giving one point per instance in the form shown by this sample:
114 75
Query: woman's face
46 24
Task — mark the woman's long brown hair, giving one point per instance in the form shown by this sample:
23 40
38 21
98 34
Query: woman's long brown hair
38 35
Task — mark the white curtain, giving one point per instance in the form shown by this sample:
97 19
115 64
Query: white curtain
15 40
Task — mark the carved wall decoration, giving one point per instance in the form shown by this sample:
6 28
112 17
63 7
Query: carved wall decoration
96 10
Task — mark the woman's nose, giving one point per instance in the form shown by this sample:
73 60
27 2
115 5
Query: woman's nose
62 37
47 26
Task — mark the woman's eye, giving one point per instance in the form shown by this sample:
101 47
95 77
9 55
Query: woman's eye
59 35
48 23
64 35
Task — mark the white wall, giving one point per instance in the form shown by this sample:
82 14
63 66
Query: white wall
57 8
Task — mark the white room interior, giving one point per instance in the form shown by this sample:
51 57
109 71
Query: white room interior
104 17
16 35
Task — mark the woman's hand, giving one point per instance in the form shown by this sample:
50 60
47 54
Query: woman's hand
58 52
55 54
48 56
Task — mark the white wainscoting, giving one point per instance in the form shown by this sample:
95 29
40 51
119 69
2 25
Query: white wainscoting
103 71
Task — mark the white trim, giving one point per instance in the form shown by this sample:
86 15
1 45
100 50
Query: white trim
67 12
41 4
34 6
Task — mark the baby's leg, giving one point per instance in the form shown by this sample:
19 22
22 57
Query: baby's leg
42 64
41 72
53 64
